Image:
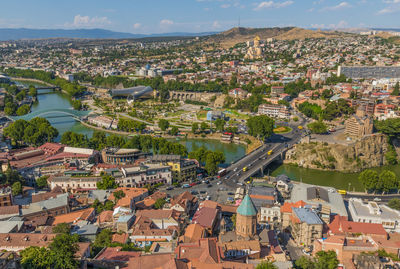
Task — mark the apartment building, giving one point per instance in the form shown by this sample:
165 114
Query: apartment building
182 170
274 111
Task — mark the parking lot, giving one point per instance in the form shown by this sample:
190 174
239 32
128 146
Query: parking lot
216 192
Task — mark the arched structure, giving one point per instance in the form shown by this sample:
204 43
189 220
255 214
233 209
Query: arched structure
39 113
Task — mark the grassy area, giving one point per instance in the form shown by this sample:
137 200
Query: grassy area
282 129
202 115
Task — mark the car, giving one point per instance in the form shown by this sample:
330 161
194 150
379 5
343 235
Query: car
230 199
306 252
170 188
231 193
194 192
240 184
184 186
208 197
234 170
209 186
219 182
376 199
192 184
203 191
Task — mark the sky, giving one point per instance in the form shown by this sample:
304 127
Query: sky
166 16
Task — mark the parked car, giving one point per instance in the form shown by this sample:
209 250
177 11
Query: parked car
170 188
376 199
219 182
184 186
209 186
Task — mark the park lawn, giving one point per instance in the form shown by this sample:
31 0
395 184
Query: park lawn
202 115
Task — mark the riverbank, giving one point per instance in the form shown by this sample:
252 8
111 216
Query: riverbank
37 81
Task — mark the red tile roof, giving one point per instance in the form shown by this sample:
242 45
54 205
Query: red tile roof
340 225
116 254
287 207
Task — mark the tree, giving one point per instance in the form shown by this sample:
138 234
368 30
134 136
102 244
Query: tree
63 250
103 238
107 182
174 130
16 188
36 258
22 110
304 263
62 228
394 203
260 126
159 203
369 179
32 91
119 194
396 89
203 126
266 265
387 181
77 104
41 182
195 127
326 260
220 124
212 161
317 127
163 124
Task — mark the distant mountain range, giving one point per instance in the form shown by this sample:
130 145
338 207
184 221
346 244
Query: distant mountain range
24 33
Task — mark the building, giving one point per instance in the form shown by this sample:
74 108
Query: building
51 207
371 212
306 226
74 184
208 218
87 214
277 90
182 170
104 122
369 72
359 125
254 50
213 115
134 93
139 176
6 198
324 200
246 218
121 156
238 93
274 111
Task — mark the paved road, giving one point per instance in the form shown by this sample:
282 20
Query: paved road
372 197
258 158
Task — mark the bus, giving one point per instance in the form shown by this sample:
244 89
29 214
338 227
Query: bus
270 152
342 192
300 127
222 173
245 169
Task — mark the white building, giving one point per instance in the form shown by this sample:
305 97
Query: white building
270 214
138 176
274 111
371 212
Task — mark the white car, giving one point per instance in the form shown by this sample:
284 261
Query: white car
219 183
376 199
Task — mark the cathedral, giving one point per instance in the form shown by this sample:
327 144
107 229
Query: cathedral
254 51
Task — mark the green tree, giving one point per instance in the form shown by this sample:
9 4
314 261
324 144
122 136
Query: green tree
212 161
32 91
195 127
387 181
107 182
394 203
317 127
174 130
369 179
16 188
266 265
36 258
163 124
22 110
103 238
77 104
304 263
326 260
62 228
260 126
396 89
159 203
63 250
119 194
220 124
41 182
203 126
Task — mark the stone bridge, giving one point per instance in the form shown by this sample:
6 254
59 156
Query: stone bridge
194 96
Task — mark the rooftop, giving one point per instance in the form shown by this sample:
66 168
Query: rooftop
307 215
247 207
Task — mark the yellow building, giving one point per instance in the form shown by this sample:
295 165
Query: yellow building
254 51
181 169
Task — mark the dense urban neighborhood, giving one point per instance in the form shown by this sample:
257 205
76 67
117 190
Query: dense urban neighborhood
162 152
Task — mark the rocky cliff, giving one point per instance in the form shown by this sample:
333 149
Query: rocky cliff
365 153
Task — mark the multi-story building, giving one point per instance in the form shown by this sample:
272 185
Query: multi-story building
139 176
359 125
182 170
306 226
121 156
275 111
371 212
6 198
74 184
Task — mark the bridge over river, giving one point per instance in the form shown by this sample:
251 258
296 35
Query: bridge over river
77 114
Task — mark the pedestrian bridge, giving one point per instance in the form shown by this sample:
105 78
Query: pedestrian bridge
56 112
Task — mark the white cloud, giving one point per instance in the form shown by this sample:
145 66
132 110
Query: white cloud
392 1
166 23
216 25
340 25
226 6
341 5
272 4
137 25
86 21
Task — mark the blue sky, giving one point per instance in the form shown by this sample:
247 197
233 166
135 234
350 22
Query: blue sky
161 16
